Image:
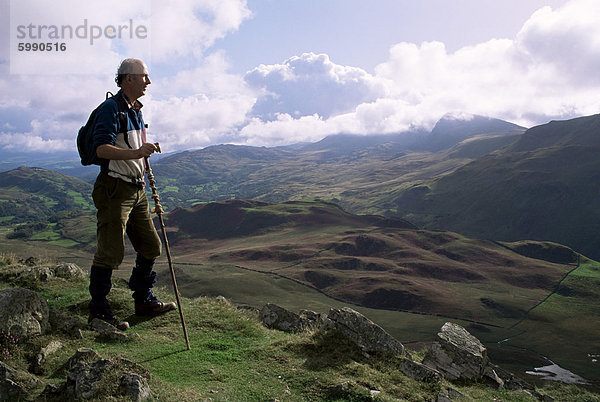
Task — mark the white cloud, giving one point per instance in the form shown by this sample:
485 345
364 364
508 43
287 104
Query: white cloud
310 83
548 70
192 26
58 101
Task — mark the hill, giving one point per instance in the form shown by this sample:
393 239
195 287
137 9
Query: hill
232 357
360 173
544 187
40 204
300 251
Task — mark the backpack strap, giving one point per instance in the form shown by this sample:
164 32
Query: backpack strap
122 114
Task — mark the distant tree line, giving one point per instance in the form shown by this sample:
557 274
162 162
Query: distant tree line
27 230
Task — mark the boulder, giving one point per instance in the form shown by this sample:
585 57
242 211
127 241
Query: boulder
276 317
135 387
418 371
84 380
39 273
364 333
17 385
107 331
92 377
23 313
457 354
68 271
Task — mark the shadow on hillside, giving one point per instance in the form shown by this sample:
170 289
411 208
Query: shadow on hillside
325 350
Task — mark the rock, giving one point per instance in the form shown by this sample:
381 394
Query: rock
315 320
364 333
83 355
68 271
23 312
457 355
107 331
9 388
274 316
31 261
135 387
17 385
36 274
418 371
42 356
84 380
92 377
66 324
492 377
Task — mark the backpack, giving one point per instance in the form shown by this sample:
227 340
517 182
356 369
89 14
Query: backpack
85 136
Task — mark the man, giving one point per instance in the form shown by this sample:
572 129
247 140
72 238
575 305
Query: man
121 200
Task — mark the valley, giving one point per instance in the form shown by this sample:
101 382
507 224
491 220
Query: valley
479 227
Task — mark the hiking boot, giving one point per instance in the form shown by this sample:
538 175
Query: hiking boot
112 320
153 307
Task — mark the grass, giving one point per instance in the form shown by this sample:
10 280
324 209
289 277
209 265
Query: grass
233 357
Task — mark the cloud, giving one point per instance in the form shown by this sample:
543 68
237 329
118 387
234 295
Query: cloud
548 70
311 84
56 99
567 39
192 26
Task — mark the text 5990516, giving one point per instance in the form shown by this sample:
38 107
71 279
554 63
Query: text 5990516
41 47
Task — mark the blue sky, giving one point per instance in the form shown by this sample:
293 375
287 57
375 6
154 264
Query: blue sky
275 72
359 33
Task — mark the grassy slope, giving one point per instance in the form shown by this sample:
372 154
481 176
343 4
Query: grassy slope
363 180
483 285
487 286
233 357
544 186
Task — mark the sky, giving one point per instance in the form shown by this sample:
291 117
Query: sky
278 72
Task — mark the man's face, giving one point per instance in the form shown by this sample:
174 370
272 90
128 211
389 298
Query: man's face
138 80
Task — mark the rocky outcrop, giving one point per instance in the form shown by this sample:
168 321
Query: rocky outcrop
23 313
276 317
353 326
457 355
364 333
31 273
418 371
68 271
17 385
90 376
108 332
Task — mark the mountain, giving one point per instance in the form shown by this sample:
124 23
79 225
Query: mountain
544 186
361 173
451 130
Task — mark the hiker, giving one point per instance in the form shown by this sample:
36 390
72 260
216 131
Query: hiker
121 200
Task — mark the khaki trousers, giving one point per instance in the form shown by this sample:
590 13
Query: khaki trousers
122 208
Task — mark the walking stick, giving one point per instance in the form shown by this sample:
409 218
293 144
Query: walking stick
159 211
